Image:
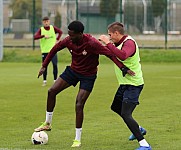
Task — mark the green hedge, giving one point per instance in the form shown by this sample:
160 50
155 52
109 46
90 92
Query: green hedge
28 55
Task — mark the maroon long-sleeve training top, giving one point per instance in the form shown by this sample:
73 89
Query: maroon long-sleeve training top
85 54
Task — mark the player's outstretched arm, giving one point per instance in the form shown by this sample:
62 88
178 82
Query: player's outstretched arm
105 40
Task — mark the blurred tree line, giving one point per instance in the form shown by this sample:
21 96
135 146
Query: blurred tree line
23 9
157 8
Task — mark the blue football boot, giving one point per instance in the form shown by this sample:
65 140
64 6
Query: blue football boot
144 148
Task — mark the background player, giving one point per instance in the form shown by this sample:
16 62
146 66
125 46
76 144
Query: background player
47 36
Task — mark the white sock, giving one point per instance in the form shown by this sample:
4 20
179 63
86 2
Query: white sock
49 117
78 133
143 143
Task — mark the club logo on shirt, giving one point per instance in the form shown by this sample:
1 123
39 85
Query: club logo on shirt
84 52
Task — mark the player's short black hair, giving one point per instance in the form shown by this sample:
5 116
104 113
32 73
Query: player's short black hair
45 18
76 26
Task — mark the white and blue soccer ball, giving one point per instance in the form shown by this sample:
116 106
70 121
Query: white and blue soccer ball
39 138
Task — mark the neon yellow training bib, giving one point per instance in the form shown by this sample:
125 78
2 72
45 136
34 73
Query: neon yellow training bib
132 63
47 44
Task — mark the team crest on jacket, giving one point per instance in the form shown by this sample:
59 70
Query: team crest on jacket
84 52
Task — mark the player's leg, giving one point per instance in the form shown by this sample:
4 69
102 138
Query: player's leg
86 86
127 110
44 55
79 109
126 114
130 100
119 107
57 87
55 67
66 79
79 106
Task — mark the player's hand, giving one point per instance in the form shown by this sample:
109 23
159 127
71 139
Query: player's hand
47 37
41 71
131 73
104 39
125 70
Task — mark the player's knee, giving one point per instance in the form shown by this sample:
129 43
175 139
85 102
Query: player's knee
116 109
125 115
52 91
79 106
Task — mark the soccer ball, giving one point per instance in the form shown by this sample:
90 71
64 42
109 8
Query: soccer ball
38 138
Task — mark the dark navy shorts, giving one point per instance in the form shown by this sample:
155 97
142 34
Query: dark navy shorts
129 93
72 77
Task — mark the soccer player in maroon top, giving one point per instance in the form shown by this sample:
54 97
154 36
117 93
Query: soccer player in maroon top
85 51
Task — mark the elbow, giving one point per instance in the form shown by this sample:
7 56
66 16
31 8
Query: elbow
122 57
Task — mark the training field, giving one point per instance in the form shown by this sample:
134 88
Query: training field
23 102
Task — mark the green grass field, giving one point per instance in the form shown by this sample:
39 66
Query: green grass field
23 102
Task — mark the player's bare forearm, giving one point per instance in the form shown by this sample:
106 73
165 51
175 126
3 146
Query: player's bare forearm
131 73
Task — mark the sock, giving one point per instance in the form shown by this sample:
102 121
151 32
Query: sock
143 143
49 117
78 133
